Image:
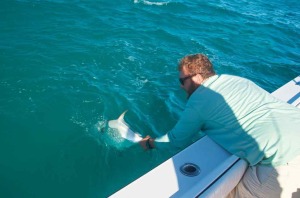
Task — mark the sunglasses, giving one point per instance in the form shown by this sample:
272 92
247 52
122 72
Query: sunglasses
182 80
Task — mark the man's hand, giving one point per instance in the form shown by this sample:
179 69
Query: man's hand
147 143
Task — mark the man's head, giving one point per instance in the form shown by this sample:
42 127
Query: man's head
194 69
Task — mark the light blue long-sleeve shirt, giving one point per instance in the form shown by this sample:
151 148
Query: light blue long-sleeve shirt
241 117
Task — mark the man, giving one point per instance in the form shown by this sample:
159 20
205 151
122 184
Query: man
246 121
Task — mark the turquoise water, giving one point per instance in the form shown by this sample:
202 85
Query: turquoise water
67 67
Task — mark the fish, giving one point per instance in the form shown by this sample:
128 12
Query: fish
124 129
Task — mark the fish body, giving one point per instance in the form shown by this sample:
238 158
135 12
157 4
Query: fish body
124 129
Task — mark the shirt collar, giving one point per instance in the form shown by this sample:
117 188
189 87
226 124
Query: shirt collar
210 80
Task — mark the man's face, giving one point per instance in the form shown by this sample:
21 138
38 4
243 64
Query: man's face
188 82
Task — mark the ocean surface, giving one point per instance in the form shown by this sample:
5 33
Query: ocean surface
68 67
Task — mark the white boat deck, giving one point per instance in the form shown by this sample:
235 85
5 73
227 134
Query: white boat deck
219 171
290 92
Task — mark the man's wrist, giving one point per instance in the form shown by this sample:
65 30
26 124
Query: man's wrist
149 143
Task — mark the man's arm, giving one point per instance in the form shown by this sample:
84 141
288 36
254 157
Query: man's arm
181 135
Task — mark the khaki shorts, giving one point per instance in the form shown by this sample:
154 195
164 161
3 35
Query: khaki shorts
268 181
